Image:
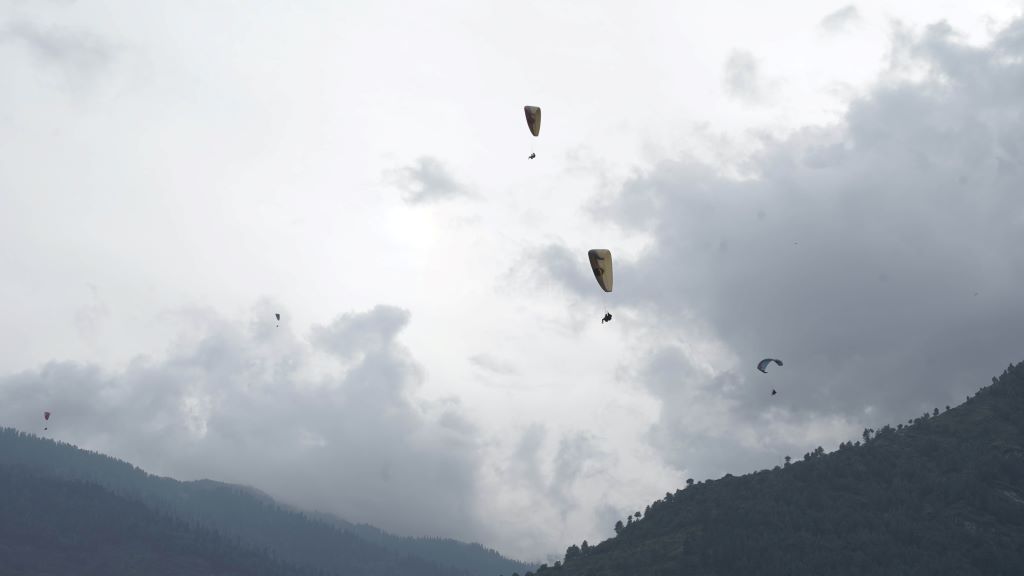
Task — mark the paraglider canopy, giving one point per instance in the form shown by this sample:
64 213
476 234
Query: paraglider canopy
533 119
764 364
601 263
46 415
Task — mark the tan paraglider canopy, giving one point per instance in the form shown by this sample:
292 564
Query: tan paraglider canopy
533 119
601 262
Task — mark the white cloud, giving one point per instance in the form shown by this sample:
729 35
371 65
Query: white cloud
842 19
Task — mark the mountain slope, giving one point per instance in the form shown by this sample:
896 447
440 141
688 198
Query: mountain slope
254 519
473 558
64 527
944 495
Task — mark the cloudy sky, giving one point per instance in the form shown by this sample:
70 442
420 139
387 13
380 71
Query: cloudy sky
837 185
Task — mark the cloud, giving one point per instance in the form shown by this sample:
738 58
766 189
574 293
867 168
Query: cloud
493 365
577 456
427 180
558 265
79 55
852 251
743 79
240 403
363 333
841 20
551 473
89 318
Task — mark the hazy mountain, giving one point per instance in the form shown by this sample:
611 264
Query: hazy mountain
251 518
942 494
62 527
474 558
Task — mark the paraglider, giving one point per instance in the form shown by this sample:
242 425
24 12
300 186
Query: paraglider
278 320
773 392
764 364
46 417
533 121
601 264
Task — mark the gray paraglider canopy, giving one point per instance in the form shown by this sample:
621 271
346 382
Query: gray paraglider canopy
764 364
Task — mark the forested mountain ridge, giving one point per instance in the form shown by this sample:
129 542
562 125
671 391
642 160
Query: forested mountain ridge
942 494
254 520
64 527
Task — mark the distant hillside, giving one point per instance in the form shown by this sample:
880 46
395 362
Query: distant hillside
255 520
941 495
66 527
473 558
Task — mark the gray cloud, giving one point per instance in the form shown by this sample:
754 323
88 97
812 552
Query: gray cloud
427 180
88 318
841 19
562 267
79 55
743 77
493 365
577 457
853 252
366 333
243 403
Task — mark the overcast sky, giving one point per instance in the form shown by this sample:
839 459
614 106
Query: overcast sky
836 185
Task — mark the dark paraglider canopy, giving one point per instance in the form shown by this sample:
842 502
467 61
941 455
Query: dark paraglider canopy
533 119
773 392
764 364
46 416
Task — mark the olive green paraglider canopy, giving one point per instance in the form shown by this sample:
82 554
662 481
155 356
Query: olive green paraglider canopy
533 119
601 262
